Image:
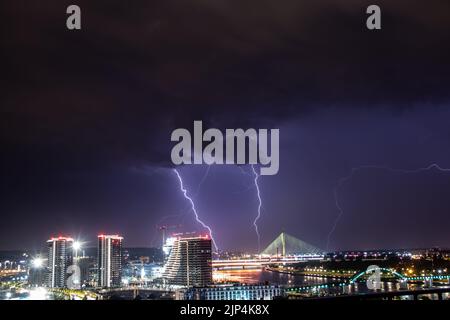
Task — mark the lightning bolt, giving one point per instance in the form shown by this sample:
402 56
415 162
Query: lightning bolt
258 216
370 167
184 191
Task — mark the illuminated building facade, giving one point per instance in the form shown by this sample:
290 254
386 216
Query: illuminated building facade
86 265
109 261
189 263
60 257
232 292
167 247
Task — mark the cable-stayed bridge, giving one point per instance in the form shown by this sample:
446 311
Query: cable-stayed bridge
285 249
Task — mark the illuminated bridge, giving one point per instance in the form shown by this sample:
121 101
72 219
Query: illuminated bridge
262 261
401 276
359 275
285 249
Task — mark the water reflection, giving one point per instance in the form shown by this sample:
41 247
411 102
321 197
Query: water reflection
254 276
257 276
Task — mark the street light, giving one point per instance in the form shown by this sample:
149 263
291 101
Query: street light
76 247
37 262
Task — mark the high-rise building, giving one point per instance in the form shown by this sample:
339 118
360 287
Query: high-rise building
60 257
189 263
109 261
86 264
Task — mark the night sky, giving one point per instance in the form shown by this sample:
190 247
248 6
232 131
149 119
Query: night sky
86 118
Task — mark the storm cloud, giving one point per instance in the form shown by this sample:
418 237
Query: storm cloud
80 109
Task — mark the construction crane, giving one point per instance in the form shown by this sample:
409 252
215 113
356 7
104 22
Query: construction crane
163 230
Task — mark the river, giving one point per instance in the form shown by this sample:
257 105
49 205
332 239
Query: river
265 276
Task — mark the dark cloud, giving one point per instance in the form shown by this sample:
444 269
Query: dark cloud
107 97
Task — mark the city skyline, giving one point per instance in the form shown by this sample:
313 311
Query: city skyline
82 243
219 158
288 269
